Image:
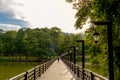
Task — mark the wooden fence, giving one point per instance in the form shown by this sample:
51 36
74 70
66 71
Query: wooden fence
33 73
88 75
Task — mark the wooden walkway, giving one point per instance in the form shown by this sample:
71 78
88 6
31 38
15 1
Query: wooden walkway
57 71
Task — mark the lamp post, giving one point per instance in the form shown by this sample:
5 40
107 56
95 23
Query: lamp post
96 36
110 46
83 57
74 54
70 55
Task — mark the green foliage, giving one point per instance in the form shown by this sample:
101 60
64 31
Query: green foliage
108 10
69 1
82 16
37 42
100 10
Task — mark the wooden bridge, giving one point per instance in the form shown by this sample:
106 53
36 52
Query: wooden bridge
58 70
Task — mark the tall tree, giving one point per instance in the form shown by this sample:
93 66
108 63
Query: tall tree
1 44
98 10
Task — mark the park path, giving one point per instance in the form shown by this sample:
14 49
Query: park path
57 71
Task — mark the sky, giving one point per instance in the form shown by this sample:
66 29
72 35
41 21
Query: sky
16 14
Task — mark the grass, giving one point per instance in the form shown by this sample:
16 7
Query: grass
10 69
12 66
88 65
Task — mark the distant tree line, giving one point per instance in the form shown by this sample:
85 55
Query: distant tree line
39 42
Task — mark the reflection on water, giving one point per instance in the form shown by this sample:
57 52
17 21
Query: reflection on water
10 69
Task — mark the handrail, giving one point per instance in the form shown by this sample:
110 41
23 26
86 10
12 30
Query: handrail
77 70
34 73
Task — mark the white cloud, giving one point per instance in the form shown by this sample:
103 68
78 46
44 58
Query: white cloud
42 13
10 7
7 27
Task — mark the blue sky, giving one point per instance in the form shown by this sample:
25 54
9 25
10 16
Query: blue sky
7 19
16 14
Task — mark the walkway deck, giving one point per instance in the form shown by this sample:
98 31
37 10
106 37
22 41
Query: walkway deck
57 71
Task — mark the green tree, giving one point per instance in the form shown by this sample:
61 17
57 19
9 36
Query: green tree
42 43
100 10
8 40
1 44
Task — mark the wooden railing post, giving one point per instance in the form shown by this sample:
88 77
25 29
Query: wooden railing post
69 65
26 76
34 73
91 74
47 66
43 68
78 72
39 71
74 69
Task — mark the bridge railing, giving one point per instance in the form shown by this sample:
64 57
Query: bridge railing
88 75
33 73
